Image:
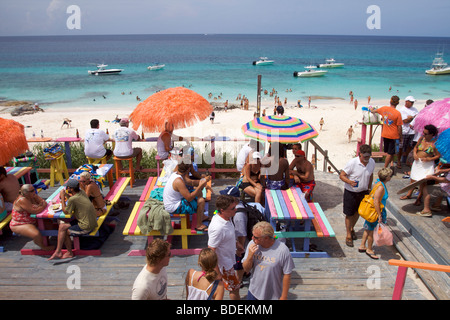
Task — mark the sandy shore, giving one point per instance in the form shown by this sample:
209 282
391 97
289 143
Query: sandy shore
338 115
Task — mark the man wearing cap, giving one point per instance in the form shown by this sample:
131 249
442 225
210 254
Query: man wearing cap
124 139
408 112
357 175
81 208
247 149
303 172
391 129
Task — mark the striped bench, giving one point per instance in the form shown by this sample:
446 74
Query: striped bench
181 223
113 196
302 219
3 224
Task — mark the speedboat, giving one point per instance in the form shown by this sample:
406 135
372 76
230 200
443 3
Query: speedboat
330 63
156 66
263 61
102 71
310 72
439 66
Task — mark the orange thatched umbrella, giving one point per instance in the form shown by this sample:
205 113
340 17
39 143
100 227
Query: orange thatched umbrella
12 140
179 106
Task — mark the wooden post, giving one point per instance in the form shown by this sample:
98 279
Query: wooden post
258 97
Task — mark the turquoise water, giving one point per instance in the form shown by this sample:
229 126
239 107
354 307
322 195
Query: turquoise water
53 70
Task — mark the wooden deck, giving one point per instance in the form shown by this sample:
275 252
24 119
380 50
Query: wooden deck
345 275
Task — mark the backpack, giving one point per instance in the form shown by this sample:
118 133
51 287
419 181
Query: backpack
254 216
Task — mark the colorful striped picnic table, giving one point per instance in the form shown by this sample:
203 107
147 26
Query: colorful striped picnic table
299 218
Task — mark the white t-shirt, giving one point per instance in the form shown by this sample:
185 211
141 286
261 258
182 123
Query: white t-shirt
171 198
356 171
242 157
150 286
406 112
93 143
221 236
124 141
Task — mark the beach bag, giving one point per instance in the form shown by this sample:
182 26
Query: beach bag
369 117
231 191
52 152
367 208
382 236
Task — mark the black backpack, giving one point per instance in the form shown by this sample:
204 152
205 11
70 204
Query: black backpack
254 216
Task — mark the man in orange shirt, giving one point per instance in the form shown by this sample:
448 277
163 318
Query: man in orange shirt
392 128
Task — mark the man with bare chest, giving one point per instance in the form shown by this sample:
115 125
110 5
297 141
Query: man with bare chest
303 172
9 188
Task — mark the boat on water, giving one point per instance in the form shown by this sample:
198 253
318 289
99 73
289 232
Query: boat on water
439 66
330 63
156 66
101 70
263 61
310 72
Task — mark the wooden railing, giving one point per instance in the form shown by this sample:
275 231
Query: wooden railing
326 160
403 268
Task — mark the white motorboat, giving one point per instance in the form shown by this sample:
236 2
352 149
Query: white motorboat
263 61
439 66
101 70
310 72
156 66
330 63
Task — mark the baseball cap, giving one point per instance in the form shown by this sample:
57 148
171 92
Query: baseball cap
410 98
124 121
300 153
256 155
72 183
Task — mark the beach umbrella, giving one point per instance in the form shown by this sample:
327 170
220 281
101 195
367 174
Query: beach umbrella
437 114
179 106
443 145
283 129
12 140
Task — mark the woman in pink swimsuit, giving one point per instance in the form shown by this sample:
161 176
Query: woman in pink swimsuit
28 202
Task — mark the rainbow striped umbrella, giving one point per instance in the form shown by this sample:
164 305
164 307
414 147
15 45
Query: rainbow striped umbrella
283 129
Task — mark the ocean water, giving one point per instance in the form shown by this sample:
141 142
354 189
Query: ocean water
52 70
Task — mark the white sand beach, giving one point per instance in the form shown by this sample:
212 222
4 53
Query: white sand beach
338 115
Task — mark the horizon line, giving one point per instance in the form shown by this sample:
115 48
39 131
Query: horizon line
214 34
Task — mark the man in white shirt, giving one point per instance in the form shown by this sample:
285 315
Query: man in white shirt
247 149
151 283
222 239
124 139
94 140
358 176
408 112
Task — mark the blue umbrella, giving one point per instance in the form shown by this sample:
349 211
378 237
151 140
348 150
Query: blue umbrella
443 145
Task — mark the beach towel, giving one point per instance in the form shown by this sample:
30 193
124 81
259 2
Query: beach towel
153 216
421 169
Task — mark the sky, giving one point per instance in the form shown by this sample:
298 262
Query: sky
321 17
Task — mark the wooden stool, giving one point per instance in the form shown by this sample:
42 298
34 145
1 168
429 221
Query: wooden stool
96 160
58 170
158 159
120 170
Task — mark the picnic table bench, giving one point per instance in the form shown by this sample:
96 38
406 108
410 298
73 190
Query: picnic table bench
181 223
302 219
113 197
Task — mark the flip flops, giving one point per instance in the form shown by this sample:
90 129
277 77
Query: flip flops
372 256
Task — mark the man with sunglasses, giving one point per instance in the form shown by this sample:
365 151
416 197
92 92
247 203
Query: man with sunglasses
270 264
358 176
